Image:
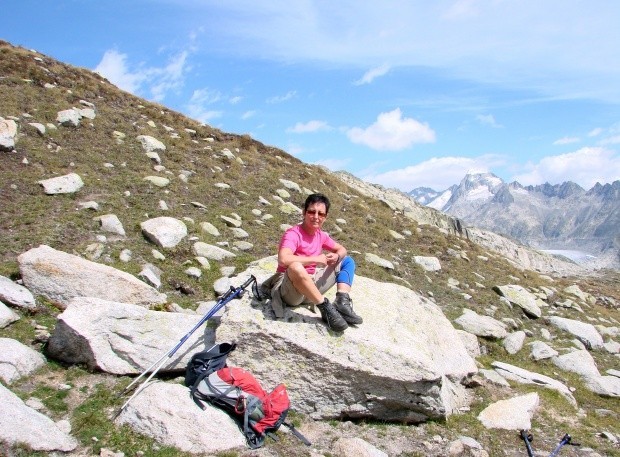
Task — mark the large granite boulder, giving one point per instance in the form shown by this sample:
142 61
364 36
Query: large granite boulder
59 277
122 339
405 363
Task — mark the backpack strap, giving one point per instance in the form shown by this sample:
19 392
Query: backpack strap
195 394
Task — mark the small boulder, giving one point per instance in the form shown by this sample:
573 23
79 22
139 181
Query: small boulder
428 263
67 184
150 144
22 425
7 316
484 326
519 296
15 295
165 232
8 132
511 414
17 360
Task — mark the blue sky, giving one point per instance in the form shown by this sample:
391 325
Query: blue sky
403 93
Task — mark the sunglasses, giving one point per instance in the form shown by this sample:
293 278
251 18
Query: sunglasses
321 214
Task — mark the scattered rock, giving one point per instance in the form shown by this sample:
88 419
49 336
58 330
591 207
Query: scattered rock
514 342
428 263
22 425
484 326
541 351
67 184
211 252
15 295
356 447
69 118
110 223
165 232
8 132
181 423
17 360
7 316
157 181
519 296
511 414
582 330
150 144
527 377
372 258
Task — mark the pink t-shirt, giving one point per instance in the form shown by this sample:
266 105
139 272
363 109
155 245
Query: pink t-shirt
304 244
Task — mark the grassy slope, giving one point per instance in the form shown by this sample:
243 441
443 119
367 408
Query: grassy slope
29 218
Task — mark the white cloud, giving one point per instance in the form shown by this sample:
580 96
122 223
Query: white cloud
371 74
610 140
113 67
282 98
295 149
170 77
488 119
156 80
566 140
235 100
203 115
438 173
392 132
206 96
248 114
586 167
595 132
544 46
308 127
334 164
199 102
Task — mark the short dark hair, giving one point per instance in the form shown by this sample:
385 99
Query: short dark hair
317 198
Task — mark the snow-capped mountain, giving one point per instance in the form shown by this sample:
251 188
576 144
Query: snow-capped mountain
561 217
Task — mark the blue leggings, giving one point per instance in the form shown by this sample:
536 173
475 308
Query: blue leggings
347 271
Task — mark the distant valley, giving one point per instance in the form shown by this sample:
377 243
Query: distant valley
562 219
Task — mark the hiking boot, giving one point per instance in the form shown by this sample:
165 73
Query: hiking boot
332 317
344 305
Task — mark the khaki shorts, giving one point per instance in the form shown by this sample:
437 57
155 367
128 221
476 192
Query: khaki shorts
283 292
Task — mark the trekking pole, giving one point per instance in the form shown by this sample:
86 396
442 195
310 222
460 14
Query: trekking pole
228 296
566 439
527 437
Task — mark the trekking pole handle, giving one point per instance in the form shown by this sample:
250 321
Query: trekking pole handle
238 292
249 281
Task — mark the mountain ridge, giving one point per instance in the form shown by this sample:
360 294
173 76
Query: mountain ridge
547 217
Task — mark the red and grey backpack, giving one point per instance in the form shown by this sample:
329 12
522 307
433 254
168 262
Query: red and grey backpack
239 393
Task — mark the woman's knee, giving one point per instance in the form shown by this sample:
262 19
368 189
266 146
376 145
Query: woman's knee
296 270
348 264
